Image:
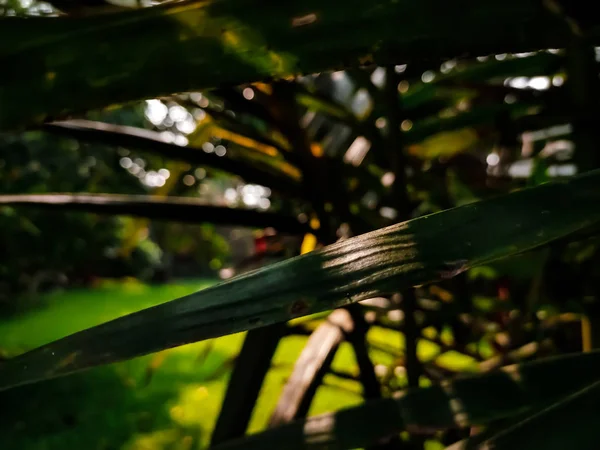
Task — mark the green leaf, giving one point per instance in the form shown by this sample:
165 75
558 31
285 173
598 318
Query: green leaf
541 63
318 102
571 422
411 253
475 400
235 101
484 114
69 65
426 99
177 209
152 141
233 125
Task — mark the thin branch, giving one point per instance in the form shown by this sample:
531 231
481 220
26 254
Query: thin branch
311 367
252 365
517 355
285 109
357 337
400 194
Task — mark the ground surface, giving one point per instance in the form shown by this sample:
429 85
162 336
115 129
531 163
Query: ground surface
166 401
129 405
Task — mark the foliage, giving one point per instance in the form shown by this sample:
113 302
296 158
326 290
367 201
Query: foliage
488 261
83 247
35 162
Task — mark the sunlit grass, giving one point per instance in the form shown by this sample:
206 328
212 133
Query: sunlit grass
62 313
144 403
168 400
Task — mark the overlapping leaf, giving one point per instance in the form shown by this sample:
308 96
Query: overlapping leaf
411 253
475 400
191 45
151 141
178 209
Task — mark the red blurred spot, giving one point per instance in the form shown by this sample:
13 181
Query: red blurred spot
260 244
503 289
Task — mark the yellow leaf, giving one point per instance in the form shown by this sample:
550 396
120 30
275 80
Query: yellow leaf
308 243
175 171
202 133
244 141
264 87
445 144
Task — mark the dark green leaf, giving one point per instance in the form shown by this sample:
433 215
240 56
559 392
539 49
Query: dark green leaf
571 422
151 141
475 400
183 46
177 209
430 248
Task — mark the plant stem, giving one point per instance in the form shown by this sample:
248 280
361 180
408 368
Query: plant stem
397 162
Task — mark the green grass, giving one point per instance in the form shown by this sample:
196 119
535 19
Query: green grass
168 400
165 401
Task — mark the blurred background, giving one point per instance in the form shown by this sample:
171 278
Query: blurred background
470 129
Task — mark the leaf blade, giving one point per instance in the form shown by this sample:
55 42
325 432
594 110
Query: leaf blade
177 209
381 262
474 400
205 43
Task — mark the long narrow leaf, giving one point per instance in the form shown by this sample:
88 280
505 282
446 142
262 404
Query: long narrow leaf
177 209
381 262
474 400
151 141
183 46
571 422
